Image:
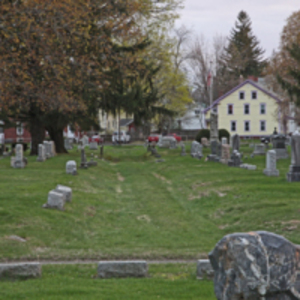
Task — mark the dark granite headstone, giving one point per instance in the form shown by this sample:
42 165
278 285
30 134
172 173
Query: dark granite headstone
279 146
255 266
294 173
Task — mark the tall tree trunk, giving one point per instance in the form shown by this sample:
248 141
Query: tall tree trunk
37 132
56 135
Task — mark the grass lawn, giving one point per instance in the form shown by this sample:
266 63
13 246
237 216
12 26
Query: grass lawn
176 282
129 206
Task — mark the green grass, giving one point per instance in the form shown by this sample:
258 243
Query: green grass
131 207
176 282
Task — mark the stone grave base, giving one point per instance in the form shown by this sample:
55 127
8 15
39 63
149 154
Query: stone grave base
196 155
20 270
121 269
281 153
213 157
92 163
269 172
248 167
293 174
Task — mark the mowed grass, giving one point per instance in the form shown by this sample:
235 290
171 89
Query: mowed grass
176 282
129 206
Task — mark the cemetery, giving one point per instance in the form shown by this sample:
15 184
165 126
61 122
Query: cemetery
124 211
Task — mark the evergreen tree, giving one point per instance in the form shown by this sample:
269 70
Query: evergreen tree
243 56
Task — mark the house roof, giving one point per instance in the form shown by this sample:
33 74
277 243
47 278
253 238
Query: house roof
125 122
239 86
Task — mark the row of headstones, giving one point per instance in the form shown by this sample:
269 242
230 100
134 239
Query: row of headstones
46 151
58 197
106 269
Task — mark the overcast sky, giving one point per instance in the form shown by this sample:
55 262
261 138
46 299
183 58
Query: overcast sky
211 17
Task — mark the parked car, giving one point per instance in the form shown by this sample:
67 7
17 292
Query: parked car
177 137
153 138
96 138
123 137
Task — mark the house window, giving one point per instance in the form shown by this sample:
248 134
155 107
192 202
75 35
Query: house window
247 126
20 129
262 125
242 95
246 109
233 125
254 95
230 109
262 108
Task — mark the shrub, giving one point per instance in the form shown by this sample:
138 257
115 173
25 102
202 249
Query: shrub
224 133
201 134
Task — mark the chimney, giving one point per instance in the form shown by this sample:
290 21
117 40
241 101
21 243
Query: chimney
253 78
241 78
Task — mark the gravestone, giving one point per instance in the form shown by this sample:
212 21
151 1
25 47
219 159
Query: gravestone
215 148
214 129
67 191
85 140
122 269
83 163
47 149
101 151
23 271
164 143
92 163
196 150
154 151
224 141
256 266
235 141
19 162
71 167
52 148
173 144
55 200
41 153
248 167
204 269
235 159
93 146
204 142
68 145
225 156
183 152
294 172
270 169
259 149
279 146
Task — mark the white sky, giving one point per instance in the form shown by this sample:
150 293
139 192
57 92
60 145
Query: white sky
211 17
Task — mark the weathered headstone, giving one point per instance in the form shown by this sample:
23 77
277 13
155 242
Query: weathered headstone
215 148
173 144
19 161
83 163
196 150
67 191
204 142
47 149
248 167
204 269
121 269
26 270
279 146
235 160
93 146
71 167
294 172
224 141
183 152
254 266
85 140
55 200
52 148
259 149
214 129
235 141
225 156
92 163
41 153
270 169
68 144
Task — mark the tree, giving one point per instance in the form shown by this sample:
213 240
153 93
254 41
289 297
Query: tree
243 56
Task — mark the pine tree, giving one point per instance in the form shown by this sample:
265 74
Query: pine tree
243 56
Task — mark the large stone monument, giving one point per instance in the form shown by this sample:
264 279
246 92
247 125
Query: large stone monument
235 141
214 128
294 172
196 150
279 146
259 149
270 169
41 153
256 266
